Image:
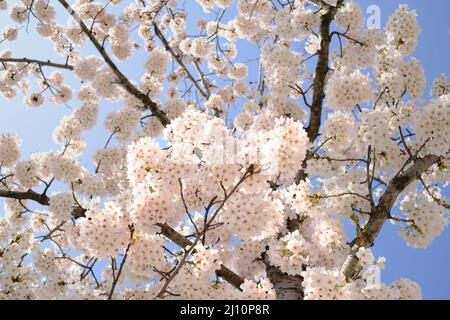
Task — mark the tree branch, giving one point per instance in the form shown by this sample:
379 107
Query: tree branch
129 87
321 72
191 247
117 277
77 212
179 60
382 211
25 195
47 63
225 273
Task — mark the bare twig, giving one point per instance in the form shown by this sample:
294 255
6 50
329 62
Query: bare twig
122 263
47 63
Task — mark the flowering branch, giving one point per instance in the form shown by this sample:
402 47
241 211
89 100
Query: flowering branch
122 263
430 193
381 212
126 83
234 279
179 60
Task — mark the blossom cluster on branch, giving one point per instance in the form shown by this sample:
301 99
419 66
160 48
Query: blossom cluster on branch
219 177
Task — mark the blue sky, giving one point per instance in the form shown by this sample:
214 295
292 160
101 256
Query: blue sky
427 267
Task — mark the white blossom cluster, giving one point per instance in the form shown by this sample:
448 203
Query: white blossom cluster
9 150
295 24
212 161
349 17
403 30
105 231
61 205
432 127
321 283
289 253
146 255
346 89
429 218
340 127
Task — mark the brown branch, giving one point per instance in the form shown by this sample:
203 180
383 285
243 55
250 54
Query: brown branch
404 142
299 89
191 219
225 273
25 195
47 63
173 235
369 178
129 87
42 199
318 84
117 130
321 71
348 193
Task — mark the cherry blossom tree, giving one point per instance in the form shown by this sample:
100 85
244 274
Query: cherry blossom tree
215 183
